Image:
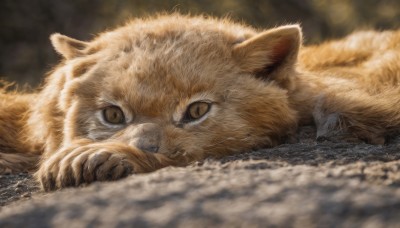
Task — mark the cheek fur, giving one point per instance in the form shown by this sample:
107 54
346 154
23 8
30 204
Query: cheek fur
71 128
81 122
220 134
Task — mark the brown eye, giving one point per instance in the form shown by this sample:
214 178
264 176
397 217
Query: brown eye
113 115
196 111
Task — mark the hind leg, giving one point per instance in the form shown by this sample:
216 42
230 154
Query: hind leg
357 115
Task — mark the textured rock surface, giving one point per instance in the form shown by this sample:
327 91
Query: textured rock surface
16 187
303 185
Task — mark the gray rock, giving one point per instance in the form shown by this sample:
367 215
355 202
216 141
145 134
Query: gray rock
306 184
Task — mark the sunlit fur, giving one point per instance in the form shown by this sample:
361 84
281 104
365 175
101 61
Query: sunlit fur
154 68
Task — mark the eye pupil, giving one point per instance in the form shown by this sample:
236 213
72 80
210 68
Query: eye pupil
113 115
196 110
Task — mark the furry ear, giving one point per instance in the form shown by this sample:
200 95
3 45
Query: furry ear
67 47
268 52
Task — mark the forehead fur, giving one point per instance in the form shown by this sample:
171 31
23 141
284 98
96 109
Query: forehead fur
190 54
179 42
174 29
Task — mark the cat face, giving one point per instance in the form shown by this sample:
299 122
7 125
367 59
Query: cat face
184 87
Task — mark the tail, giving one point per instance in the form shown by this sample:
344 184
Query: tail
18 162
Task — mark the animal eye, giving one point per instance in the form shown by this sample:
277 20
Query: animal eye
113 115
196 110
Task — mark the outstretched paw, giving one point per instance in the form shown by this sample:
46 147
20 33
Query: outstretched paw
82 165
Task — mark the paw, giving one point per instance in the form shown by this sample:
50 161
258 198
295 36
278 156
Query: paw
332 126
82 165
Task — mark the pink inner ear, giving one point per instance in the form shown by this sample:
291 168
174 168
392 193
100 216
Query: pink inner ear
281 50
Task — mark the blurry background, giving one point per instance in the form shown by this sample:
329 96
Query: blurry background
26 53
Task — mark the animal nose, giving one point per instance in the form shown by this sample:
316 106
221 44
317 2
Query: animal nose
146 137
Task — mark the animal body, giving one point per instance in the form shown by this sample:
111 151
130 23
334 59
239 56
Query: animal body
174 89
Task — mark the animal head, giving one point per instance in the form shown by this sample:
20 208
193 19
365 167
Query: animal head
186 87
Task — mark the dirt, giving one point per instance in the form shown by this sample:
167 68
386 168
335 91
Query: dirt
15 187
306 184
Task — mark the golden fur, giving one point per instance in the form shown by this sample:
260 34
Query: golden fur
253 88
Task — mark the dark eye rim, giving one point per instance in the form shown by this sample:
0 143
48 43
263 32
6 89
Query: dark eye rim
187 118
103 112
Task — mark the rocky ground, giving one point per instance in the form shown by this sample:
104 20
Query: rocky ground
307 184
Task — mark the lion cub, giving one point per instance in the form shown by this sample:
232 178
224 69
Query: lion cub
175 89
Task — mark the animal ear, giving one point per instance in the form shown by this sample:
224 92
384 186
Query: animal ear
68 47
270 51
